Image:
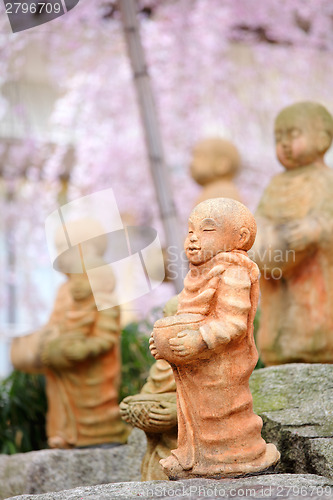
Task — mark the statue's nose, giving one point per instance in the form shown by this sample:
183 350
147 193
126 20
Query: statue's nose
285 140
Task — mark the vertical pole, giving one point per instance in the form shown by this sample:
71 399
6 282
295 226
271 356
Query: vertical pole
153 138
11 258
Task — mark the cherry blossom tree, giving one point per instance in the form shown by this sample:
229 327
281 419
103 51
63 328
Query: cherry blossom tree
222 67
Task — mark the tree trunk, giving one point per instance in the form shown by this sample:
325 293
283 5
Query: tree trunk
158 168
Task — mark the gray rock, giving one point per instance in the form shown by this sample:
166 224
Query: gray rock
296 404
272 486
56 470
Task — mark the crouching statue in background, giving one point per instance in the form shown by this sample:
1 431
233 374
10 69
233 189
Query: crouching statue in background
154 410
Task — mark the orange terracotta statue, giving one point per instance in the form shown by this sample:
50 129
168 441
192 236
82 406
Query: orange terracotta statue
215 162
209 344
294 245
79 353
154 410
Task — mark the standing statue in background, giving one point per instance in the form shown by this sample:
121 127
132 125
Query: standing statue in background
210 346
215 162
154 411
79 353
294 247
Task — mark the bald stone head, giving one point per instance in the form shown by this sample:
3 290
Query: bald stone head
214 158
303 134
79 230
219 225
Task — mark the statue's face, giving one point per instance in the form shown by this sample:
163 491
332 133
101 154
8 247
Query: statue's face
209 162
207 236
296 141
79 285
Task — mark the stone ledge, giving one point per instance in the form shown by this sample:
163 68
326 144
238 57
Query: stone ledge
295 402
272 486
54 470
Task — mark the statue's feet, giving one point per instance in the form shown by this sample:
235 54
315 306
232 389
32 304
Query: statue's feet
262 464
58 442
174 470
269 459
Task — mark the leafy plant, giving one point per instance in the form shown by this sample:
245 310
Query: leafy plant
22 413
256 324
136 357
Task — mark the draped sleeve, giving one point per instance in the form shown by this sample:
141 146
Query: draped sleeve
230 317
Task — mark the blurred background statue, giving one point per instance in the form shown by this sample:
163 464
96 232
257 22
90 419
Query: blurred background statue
79 353
294 245
215 162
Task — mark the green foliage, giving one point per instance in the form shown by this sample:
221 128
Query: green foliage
22 413
256 323
136 357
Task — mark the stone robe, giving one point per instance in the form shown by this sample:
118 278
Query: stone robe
83 397
296 323
88 391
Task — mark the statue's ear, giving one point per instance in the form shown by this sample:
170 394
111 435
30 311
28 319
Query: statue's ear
323 141
244 236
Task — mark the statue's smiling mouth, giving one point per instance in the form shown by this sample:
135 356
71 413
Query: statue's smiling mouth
193 248
287 153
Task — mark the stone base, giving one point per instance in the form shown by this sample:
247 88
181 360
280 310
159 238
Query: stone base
56 470
272 486
296 404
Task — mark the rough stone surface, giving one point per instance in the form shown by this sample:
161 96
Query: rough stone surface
296 404
272 486
56 470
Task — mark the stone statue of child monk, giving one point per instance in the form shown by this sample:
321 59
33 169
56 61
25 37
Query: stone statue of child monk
79 353
210 346
294 247
214 164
